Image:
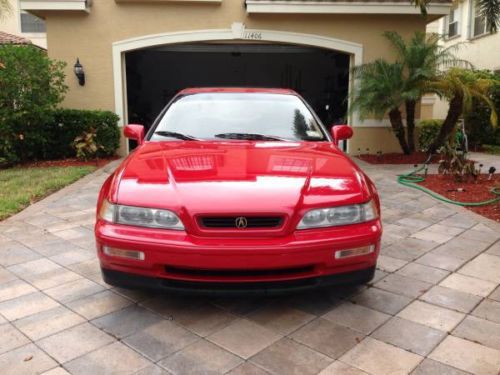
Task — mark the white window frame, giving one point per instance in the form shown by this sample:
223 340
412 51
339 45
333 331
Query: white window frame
21 12
457 13
473 22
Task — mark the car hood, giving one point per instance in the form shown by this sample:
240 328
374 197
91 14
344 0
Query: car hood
238 177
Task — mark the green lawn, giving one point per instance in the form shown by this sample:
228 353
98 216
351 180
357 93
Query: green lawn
19 187
492 149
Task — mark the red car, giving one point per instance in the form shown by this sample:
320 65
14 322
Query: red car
237 190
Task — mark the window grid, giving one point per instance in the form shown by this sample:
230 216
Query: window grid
479 24
31 23
453 23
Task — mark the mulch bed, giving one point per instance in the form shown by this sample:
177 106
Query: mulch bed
472 192
71 162
398 158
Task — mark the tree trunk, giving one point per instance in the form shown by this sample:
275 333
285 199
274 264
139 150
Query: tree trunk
449 123
398 128
410 124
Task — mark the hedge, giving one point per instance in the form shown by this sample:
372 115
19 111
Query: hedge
31 87
52 139
427 133
477 120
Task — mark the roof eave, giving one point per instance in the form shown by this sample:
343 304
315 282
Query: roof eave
341 7
67 5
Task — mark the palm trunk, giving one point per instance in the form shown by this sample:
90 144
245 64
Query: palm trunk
410 124
398 128
449 123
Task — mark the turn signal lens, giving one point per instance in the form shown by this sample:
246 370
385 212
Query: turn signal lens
120 253
107 211
363 250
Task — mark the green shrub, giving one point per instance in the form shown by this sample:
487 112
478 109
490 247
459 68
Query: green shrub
31 86
495 139
54 139
427 133
70 123
477 120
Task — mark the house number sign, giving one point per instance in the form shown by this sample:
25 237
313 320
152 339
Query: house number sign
240 32
252 35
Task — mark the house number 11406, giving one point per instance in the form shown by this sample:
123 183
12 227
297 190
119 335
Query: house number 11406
252 35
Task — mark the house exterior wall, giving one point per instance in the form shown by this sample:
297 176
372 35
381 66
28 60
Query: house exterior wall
11 24
483 51
90 37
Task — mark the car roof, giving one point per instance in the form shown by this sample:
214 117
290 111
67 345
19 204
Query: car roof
199 90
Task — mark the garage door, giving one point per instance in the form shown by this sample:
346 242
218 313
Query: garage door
155 75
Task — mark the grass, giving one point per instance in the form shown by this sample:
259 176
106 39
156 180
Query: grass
492 149
20 187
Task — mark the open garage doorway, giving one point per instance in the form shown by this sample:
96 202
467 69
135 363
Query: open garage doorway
155 75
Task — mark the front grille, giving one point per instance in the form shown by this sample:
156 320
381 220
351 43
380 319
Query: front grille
231 222
243 287
238 272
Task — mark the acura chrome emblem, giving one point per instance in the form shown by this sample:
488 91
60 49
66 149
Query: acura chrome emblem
241 222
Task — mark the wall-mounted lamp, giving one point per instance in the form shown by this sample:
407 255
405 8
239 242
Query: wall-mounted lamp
79 72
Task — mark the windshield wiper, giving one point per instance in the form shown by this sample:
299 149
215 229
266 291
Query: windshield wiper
184 137
251 137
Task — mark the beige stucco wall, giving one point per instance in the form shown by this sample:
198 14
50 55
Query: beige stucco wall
483 52
372 140
90 37
428 107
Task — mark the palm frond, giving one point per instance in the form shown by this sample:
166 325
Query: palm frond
490 10
381 88
422 4
423 58
5 8
465 84
447 62
494 118
454 47
397 41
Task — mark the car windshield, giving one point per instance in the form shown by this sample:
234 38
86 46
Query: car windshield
238 116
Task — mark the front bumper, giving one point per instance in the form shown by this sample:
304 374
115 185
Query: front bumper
127 280
176 260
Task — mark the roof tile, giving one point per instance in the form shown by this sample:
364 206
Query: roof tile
12 39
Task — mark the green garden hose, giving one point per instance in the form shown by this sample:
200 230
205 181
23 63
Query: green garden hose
410 179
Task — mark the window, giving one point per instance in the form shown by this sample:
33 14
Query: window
31 23
453 23
479 22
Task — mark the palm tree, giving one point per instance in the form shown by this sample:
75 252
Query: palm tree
382 90
490 10
460 87
422 57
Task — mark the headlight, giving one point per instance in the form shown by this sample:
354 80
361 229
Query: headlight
342 215
140 216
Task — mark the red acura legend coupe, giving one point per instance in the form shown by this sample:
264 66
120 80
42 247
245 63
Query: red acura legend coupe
237 190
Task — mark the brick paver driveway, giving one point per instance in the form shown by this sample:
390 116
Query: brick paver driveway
434 307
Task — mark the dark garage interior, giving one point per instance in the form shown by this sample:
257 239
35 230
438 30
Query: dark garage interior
155 75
